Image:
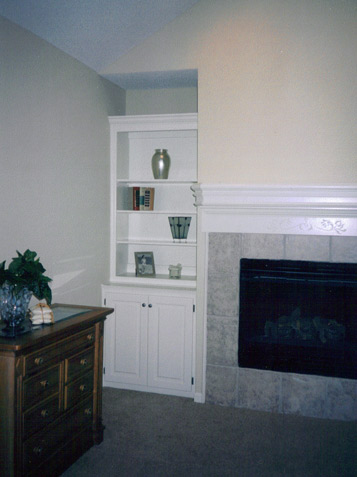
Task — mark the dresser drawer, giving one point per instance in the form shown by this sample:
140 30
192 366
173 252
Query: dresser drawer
78 389
41 386
39 447
78 364
51 354
38 360
40 416
63 457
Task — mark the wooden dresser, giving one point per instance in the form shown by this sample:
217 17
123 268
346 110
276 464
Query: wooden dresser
51 393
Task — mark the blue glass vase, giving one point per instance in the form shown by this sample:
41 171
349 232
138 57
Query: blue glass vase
13 309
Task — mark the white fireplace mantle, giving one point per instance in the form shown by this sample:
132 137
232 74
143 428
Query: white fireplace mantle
298 210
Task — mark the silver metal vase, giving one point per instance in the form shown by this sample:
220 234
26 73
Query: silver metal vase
160 164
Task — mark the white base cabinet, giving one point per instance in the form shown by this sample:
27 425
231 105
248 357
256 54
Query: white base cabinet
148 341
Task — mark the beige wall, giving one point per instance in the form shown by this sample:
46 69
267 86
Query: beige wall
161 101
54 150
276 87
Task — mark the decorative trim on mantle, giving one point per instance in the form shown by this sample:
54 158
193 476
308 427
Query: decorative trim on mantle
297 210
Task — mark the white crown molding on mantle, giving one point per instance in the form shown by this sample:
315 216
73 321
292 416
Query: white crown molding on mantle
298 210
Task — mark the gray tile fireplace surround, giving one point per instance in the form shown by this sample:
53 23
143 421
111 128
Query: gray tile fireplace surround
229 385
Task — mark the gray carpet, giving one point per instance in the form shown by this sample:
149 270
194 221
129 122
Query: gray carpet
156 435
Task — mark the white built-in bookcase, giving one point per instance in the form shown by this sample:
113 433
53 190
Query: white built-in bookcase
133 142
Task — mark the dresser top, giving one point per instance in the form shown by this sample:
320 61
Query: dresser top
69 319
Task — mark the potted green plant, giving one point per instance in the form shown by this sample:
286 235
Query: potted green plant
23 278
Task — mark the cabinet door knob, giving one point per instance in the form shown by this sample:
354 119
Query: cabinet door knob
88 411
38 361
45 413
143 305
82 387
45 383
90 337
83 362
150 305
37 450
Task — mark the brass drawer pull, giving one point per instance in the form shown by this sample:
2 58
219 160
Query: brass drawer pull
45 383
88 411
90 337
45 413
83 387
83 362
38 361
37 450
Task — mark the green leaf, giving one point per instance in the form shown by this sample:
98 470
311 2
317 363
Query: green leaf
26 270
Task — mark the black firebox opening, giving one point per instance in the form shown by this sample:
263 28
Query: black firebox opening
298 316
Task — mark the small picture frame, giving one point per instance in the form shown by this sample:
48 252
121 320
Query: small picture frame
144 264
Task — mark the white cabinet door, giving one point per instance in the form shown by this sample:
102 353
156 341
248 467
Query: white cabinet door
125 340
170 334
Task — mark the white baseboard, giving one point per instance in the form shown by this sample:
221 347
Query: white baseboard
199 398
147 389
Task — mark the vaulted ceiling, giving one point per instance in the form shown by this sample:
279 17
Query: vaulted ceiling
99 32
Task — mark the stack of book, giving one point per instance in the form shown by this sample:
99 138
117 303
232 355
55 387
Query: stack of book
143 198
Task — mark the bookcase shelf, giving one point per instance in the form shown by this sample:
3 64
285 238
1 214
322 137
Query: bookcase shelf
154 212
153 183
177 243
160 280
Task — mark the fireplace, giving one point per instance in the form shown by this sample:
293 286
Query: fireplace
283 223
298 316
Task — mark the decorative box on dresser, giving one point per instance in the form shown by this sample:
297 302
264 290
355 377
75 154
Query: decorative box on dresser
51 394
149 339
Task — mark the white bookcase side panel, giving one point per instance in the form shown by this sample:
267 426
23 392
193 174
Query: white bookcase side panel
134 158
124 197
122 155
138 226
122 259
163 257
